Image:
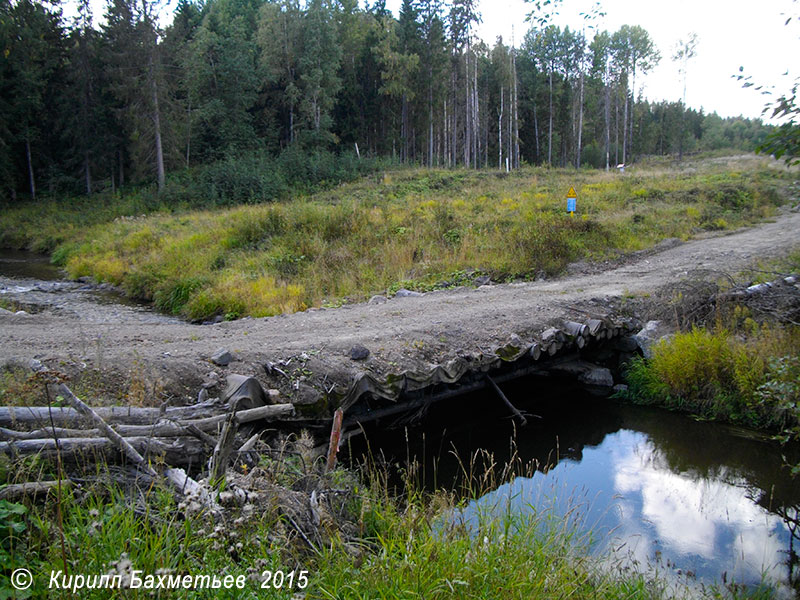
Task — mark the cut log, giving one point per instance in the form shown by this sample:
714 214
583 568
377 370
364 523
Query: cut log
595 326
17 491
163 428
574 329
64 416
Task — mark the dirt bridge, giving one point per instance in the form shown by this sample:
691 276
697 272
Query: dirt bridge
366 357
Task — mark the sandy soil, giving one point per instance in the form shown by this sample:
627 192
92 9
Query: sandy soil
126 348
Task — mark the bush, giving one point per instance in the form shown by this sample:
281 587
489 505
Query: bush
723 376
258 177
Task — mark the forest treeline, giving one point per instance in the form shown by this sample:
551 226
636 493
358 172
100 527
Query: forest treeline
265 92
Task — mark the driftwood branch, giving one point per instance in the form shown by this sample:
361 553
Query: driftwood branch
506 401
223 449
112 435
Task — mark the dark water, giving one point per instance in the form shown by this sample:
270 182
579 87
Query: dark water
696 502
18 264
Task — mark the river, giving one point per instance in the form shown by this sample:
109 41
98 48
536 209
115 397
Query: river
695 502
30 283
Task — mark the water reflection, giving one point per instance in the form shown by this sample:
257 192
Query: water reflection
692 501
20 264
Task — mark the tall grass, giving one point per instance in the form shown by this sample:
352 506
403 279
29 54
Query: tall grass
394 548
748 374
372 541
420 229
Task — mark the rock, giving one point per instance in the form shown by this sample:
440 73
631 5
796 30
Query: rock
222 357
620 388
359 352
404 293
306 395
515 340
3 311
482 280
650 334
273 396
21 313
597 376
377 299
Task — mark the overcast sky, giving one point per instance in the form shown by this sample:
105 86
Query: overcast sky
732 33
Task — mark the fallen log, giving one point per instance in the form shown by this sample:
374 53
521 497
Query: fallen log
184 451
506 401
171 475
17 491
121 443
218 463
33 416
163 428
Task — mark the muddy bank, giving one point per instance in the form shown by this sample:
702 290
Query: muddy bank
324 358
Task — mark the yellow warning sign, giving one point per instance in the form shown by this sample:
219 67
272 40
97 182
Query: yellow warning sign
571 193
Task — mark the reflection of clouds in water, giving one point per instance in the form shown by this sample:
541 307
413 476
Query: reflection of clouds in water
711 518
624 491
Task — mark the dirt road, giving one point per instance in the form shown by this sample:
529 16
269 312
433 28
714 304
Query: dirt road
127 353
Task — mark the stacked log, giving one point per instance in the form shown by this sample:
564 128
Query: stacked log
181 435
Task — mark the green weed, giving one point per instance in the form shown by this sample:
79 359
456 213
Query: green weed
409 228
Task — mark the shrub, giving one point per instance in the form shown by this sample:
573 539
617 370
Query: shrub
726 377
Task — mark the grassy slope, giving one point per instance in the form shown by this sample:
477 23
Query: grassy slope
412 228
743 366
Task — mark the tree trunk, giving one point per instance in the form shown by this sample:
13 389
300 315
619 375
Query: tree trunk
87 173
31 181
607 115
625 127
616 128
633 109
536 131
516 160
467 112
188 133
550 127
430 118
157 127
580 125
500 131
121 169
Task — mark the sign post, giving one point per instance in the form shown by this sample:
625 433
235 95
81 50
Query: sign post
572 201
